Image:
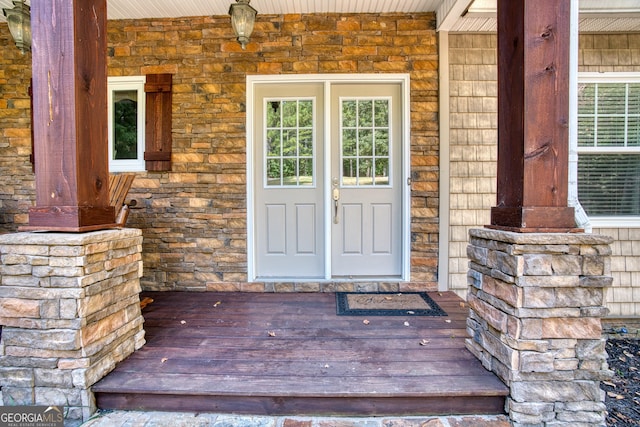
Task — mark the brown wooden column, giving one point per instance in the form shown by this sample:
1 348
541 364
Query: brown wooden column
533 116
70 116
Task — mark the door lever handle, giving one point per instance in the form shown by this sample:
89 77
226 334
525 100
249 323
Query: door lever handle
336 197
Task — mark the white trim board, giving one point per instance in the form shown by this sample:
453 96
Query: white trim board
327 80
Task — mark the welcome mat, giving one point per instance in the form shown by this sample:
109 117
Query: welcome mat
386 304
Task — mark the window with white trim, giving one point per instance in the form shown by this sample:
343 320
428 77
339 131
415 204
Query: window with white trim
126 101
609 145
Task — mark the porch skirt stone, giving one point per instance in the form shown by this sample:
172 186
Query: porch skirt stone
69 311
536 303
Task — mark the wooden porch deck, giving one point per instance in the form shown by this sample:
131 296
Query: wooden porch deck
290 354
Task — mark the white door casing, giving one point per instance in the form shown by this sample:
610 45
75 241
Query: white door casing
297 169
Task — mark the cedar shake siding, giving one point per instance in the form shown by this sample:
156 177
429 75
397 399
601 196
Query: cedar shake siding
473 153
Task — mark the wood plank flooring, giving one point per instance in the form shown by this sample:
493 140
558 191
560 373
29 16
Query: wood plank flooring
291 354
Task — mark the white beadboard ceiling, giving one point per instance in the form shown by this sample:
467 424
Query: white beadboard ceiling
596 15
138 9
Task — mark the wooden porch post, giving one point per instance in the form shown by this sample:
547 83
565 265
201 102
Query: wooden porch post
70 116
533 117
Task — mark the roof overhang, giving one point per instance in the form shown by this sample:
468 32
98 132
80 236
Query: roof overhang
595 16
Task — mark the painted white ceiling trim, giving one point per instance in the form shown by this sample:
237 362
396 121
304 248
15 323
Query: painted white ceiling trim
140 9
596 15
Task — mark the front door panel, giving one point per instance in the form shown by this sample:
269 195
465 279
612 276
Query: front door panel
289 181
365 168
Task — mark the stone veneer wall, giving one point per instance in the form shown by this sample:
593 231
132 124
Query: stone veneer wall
69 311
536 305
194 218
17 181
473 152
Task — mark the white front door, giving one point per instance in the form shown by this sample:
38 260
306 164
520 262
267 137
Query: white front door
366 230
327 174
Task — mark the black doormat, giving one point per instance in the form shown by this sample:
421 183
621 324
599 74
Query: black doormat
386 304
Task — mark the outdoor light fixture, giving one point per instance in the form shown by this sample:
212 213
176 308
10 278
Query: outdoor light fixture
19 20
243 17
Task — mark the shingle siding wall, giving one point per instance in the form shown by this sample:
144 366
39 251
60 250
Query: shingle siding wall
473 140
472 145
194 218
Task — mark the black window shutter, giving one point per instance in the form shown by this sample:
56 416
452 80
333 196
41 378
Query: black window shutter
158 141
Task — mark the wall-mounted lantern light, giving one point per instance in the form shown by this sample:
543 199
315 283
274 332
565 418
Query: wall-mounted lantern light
19 20
243 17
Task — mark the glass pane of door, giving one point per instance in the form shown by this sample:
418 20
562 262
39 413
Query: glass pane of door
364 141
290 144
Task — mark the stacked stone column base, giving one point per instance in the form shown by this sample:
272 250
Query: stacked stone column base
69 311
536 306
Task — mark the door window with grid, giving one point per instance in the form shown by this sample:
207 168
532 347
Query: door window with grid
290 146
365 141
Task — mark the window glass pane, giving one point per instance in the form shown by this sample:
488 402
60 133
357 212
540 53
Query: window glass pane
289 114
273 114
365 113
290 142
382 142
609 184
349 171
611 131
305 142
365 172
289 172
306 172
382 113
634 98
382 172
349 142
365 142
125 124
586 132
306 114
273 172
611 98
273 142
633 132
349 113
586 98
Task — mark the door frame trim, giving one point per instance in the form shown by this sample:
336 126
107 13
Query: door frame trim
327 80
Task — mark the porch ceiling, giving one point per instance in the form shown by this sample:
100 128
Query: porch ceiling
597 16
